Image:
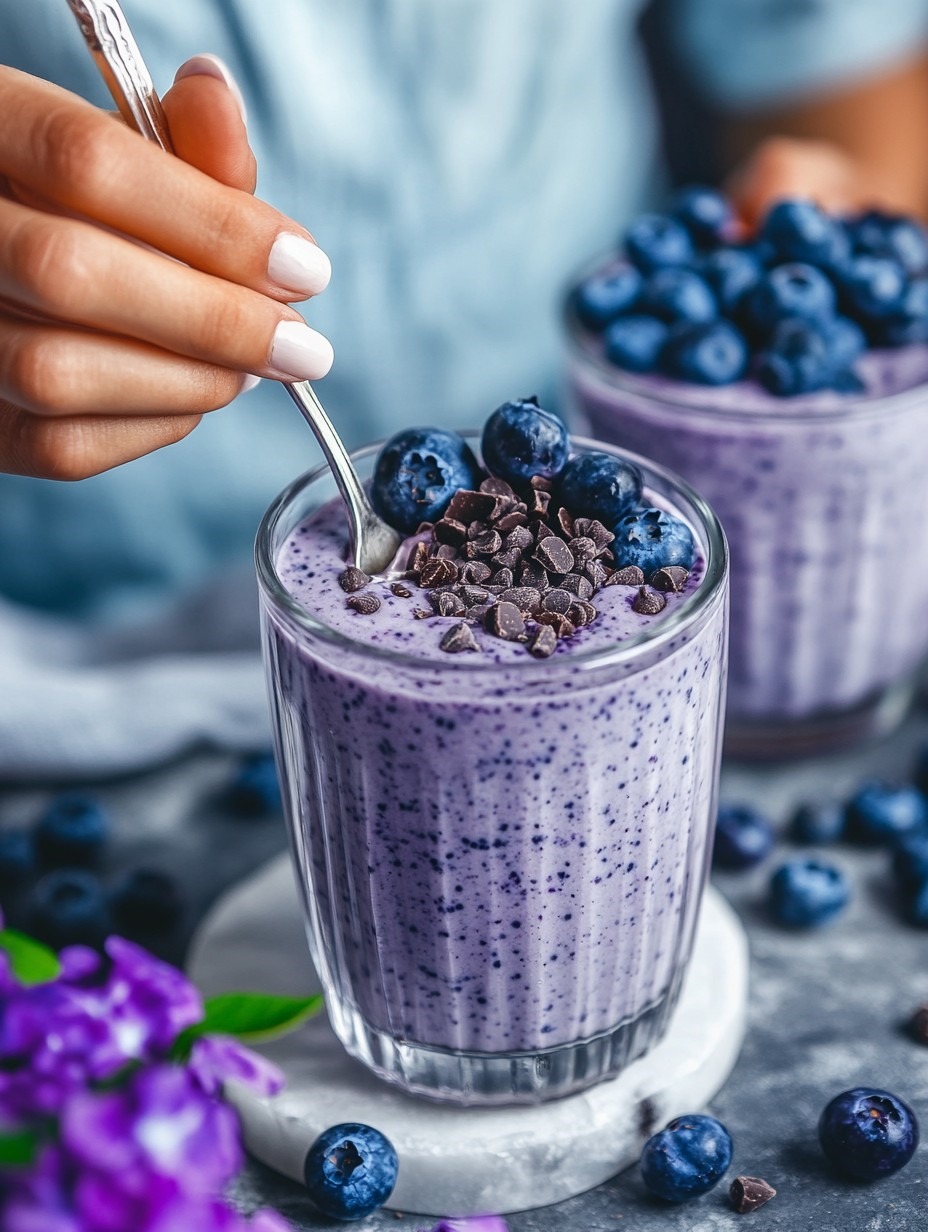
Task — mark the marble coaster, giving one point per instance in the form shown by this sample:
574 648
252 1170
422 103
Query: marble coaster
456 1161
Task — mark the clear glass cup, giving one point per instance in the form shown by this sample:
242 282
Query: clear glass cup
501 866
825 508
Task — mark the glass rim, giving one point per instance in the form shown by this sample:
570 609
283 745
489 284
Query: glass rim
615 653
854 406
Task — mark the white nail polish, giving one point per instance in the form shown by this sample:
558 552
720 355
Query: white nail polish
298 353
297 264
208 65
249 382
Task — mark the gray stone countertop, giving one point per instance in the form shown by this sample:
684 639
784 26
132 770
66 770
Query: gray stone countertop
827 1009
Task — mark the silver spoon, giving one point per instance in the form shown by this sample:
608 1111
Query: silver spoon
373 543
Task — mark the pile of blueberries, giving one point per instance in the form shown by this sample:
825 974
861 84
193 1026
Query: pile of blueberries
51 870
794 307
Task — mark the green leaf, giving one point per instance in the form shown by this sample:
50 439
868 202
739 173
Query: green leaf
31 962
18 1149
249 1016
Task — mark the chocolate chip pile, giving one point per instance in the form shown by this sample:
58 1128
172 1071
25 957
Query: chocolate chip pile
526 575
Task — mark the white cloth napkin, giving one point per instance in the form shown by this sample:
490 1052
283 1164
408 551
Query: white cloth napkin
84 702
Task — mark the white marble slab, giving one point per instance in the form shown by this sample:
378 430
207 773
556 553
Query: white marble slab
467 1161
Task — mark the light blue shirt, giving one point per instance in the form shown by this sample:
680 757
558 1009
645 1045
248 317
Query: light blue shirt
457 160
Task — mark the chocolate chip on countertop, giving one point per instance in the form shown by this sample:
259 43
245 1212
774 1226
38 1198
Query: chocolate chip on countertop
543 643
438 572
458 638
364 605
554 555
401 591
630 575
747 1193
671 579
353 579
648 602
505 620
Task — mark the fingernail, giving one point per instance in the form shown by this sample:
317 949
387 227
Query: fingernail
208 65
249 381
297 264
298 353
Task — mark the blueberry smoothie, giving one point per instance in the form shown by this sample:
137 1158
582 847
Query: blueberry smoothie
500 802
809 437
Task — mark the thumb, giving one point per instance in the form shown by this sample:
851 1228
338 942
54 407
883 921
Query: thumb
206 116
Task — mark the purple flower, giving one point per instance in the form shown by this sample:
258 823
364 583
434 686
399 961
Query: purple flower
216 1058
38 1200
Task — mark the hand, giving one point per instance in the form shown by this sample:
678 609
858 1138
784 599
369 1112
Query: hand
109 348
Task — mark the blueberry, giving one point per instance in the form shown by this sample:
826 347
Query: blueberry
635 342
652 539
910 860
521 440
872 287
806 893
69 908
802 231
817 821
73 830
916 908
867 1133
146 900
254 790
790 291
732 273
350 1171
687 1158
798 360
17 857
846 341
711 354
417 473
706 213
678 295
653 242
743 837
890 235
607 295
878 812
599 485
909 322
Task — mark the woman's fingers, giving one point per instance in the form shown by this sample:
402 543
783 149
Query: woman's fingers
68 152
206 116
70 271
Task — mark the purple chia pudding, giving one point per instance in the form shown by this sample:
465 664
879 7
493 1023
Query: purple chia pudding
824 503
501 858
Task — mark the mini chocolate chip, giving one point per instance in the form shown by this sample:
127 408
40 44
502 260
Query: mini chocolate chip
401 591
417 558
566 522
449 530
542 531
442 551
505 620
450 605
478 612
583 548
458 638
671 578
503 579
438 572
558 600
631 575
364 605
526 598
421 614
476 529
607 557
353 579
540 483
918 1025
498 487
554 555
593 529
487 544
595 570
510 520
577 585
538 502
474 594
466 506
581 613
543 643
747 1193
476 571
557 621
519 539
648 602
533 574
507 559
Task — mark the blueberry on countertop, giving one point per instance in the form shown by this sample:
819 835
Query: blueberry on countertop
653 539
254 790
146 900
653 242
69 907
807 893
867 1133
798 360
743 837
705 212
605 296
635 342
598 485
350 1171
817 821
17 857
687 1158
73 830
796 290
711 354
891 235
878 813
417 472
731 273
801 231
872 287
677 294
521 440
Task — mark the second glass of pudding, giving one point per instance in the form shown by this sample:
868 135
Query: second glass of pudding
825 507
501 858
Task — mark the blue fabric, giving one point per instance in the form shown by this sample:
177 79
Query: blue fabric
457 159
